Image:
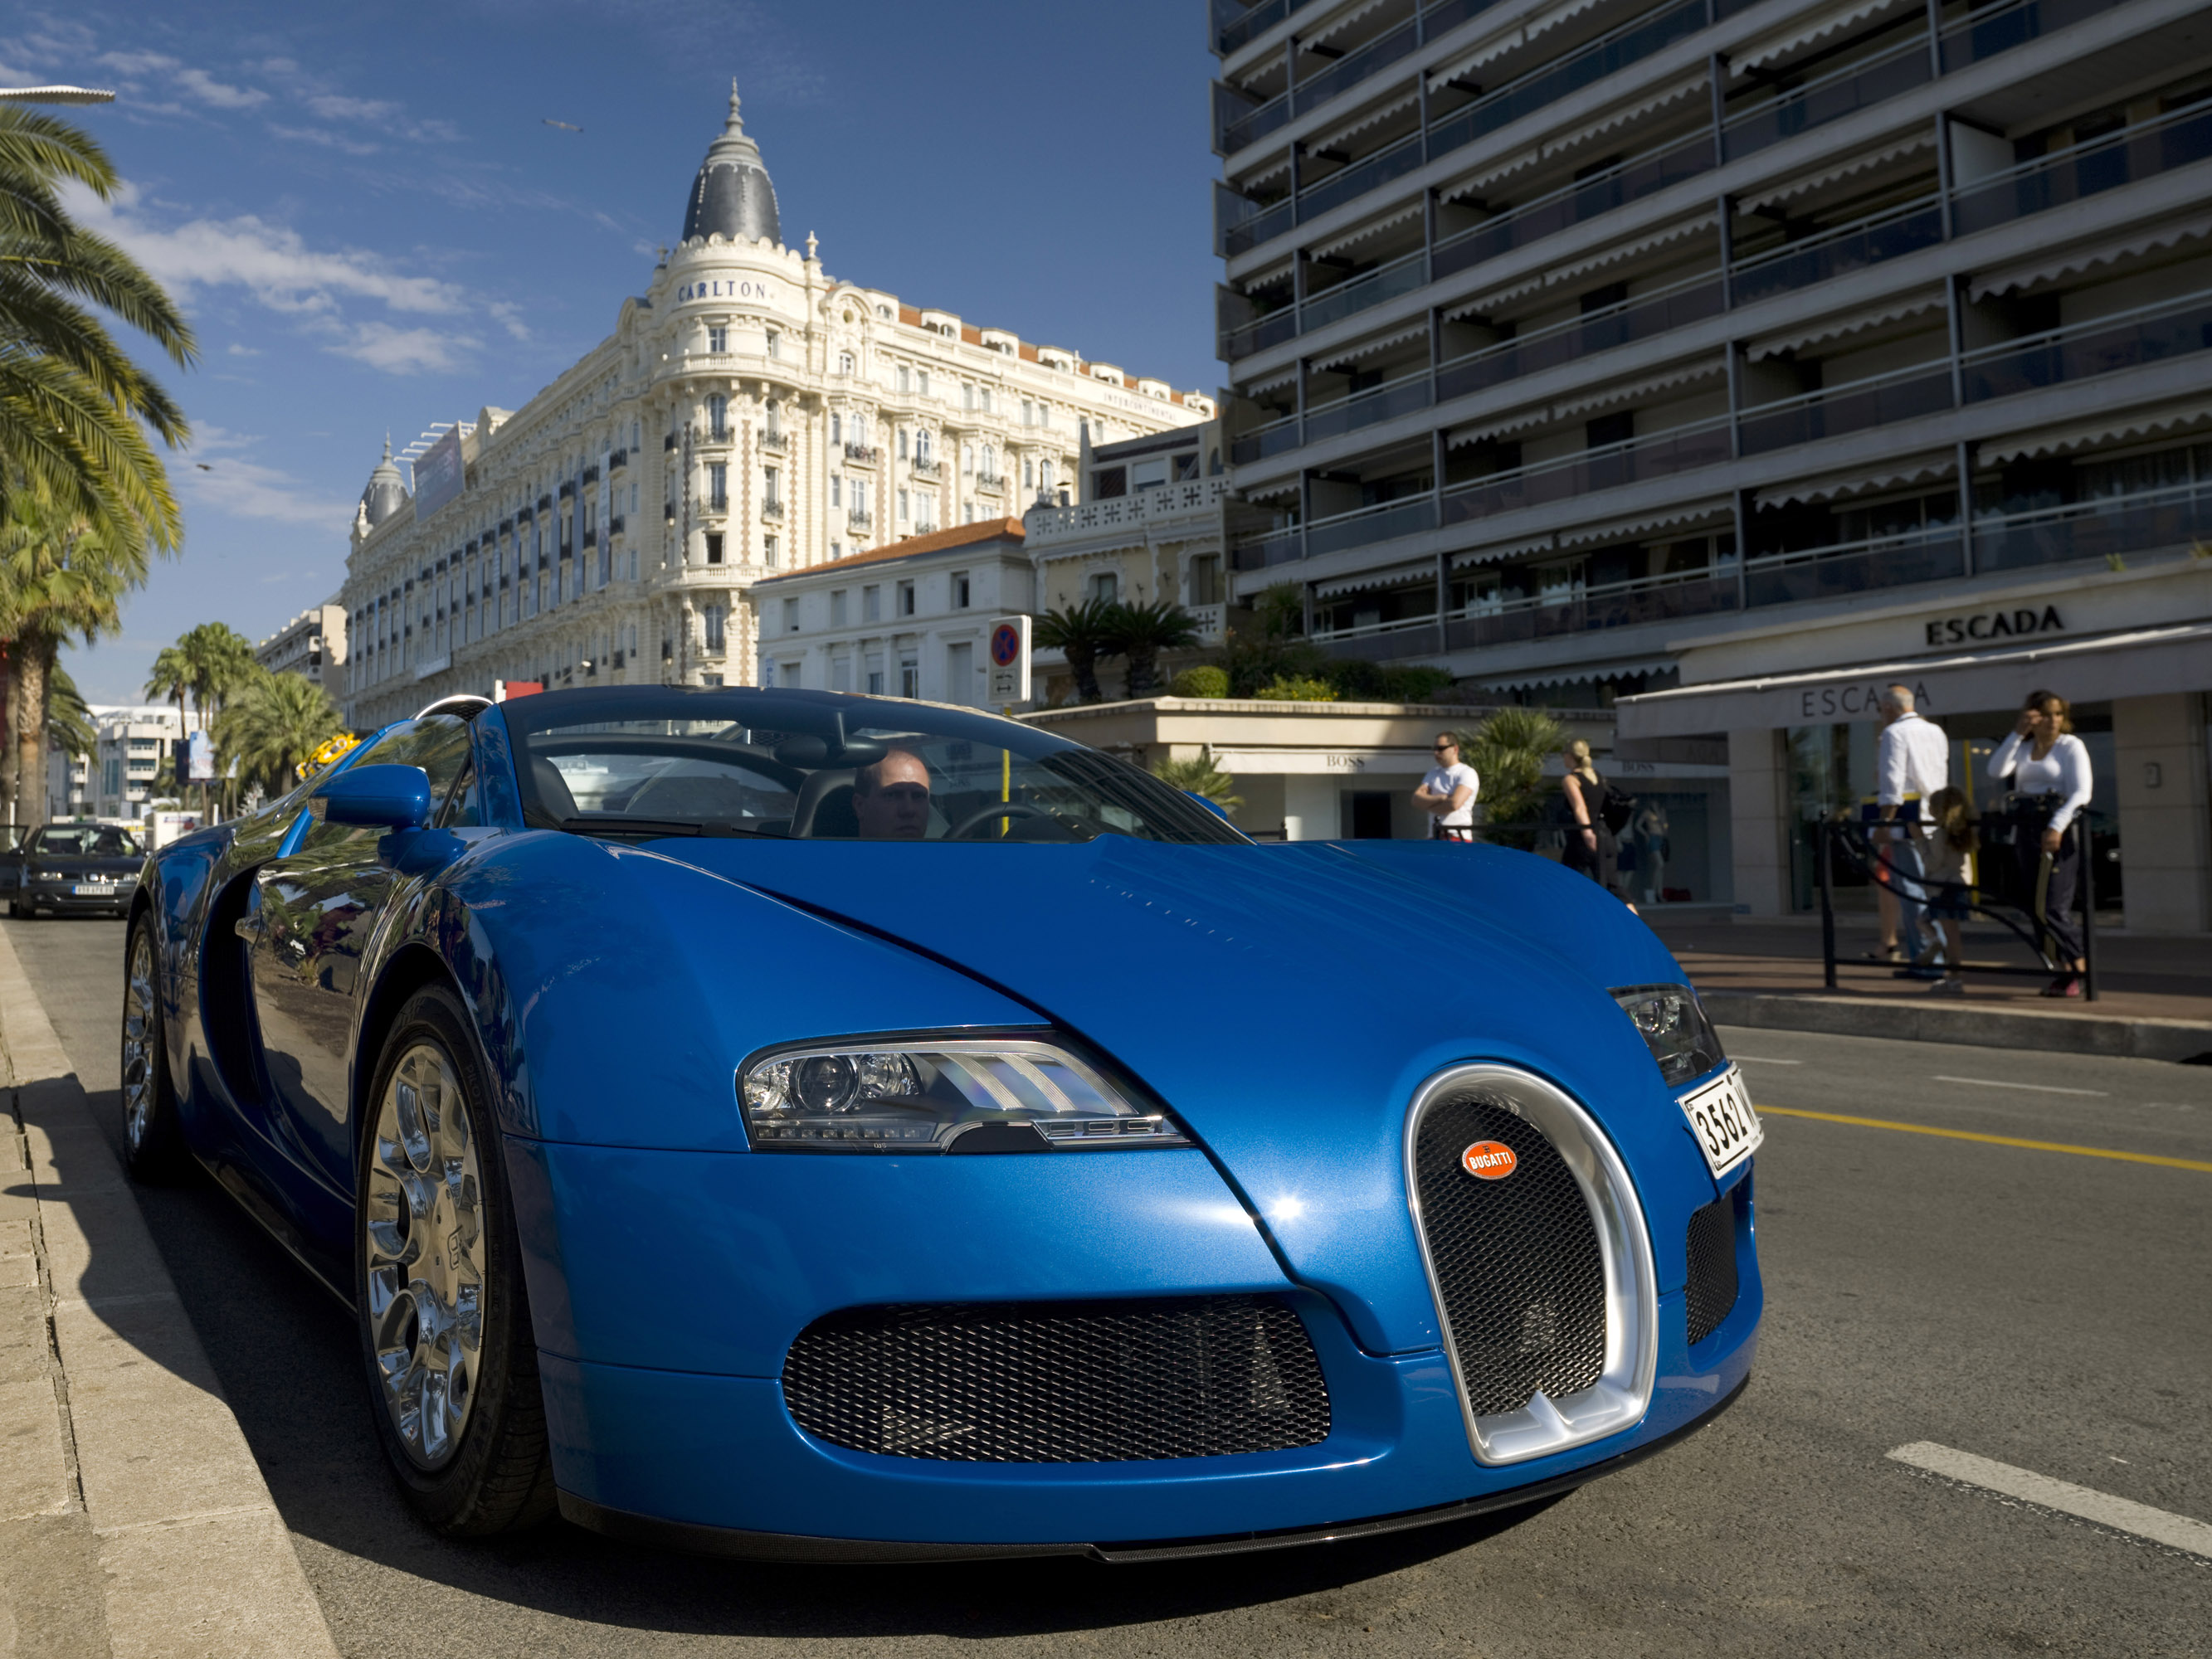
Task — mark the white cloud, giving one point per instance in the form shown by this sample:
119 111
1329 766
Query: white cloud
270 261
510 319
327 140
159 67
246 489
404 351
331 107
238 350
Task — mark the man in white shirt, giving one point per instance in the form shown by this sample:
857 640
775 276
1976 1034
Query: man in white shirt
1912 758
1447 793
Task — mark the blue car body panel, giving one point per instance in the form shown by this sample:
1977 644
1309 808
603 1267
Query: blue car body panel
1286 1002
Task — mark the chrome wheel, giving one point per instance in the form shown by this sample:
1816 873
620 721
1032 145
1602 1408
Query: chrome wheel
141 1031
423 1230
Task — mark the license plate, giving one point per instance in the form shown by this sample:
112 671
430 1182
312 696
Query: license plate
94 890
1721 1117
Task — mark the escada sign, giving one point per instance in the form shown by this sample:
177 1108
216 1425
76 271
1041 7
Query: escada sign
1853 702
1995 625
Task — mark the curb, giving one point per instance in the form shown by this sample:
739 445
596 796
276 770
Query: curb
1903 1019
186 1553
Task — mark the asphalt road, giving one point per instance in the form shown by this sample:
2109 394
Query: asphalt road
2045 1308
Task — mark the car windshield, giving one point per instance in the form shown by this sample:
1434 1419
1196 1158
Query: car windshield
818 766
87 842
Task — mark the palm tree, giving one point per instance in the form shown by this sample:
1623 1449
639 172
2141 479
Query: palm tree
59 578
1141 632
1508 752
1199 776
1083 632
69 721
74 409
202 670
271 725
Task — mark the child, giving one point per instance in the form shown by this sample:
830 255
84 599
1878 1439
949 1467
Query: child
1947 863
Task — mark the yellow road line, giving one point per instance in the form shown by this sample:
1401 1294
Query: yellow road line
1991 1140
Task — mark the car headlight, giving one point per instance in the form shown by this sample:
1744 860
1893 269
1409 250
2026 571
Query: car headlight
1674 1024
49 875
940 1094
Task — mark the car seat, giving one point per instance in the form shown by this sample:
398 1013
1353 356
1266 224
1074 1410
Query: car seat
824 812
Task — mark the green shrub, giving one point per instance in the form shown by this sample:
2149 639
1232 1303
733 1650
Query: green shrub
1204 681
1296 688
1418 682
1200 776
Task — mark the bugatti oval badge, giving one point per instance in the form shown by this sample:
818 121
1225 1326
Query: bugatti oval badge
1489 1160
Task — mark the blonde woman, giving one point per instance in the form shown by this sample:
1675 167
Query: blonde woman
1593 846
2048 768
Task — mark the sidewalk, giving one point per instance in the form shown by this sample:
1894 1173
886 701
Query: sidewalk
133 1518
2155 991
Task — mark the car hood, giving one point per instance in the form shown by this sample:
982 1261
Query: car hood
1287 1001
75 863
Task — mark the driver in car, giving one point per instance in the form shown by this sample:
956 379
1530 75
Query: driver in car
890 799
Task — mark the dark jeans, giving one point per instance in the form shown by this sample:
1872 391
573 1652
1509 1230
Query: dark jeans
2064 927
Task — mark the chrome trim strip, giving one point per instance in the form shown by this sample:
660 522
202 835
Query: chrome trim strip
1622 1393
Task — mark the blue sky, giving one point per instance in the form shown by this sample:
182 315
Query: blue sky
372 227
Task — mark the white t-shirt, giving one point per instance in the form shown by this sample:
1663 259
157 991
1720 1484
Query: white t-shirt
1446 780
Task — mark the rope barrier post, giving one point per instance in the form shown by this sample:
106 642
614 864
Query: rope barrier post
1822 843
2087 843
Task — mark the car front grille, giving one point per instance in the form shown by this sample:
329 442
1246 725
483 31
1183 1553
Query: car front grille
1516 1262
1061 1381
1712 1288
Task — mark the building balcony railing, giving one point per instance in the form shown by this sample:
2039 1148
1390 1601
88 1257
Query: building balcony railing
1197 498
2141 151
1238 121
995 482
858 519
865 454
923 467
775 442
771 508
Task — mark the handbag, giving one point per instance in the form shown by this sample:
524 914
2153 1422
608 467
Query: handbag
1616 808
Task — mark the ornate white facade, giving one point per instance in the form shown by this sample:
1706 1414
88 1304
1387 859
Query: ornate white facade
749 414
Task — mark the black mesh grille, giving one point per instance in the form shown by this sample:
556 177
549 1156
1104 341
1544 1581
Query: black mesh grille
1517 1263
1061 1381
1712 1266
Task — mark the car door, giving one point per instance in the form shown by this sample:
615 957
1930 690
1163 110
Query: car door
309 921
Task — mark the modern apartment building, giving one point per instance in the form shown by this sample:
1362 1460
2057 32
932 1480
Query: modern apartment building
314 644
751 414
1644 351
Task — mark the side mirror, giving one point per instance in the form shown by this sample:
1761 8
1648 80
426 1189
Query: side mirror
378 797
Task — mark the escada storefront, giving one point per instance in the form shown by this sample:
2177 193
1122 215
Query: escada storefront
2131 649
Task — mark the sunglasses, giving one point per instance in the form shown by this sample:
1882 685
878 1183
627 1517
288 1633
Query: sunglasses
1439 748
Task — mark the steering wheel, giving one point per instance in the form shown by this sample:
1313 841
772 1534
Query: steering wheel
997 809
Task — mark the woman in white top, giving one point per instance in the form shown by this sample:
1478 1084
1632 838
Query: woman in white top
2049 769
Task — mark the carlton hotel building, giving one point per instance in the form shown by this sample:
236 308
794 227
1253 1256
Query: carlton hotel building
1718 360
749 414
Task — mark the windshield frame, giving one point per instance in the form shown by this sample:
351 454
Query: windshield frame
844 722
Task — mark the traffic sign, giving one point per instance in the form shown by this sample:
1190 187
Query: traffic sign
1010 661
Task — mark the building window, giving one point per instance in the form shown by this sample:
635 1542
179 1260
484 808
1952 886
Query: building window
901 443
1109 481
775 427
844 362
871 603
968 457
967 397
771 487
718 338
718 487
710 679
714 616
909 676
905 378
1105 586
836 599
959 590
860 498
837 428
906 603
714 547
836 489
922 449
1205 571
718 417
921 382
791 615
901 507
775 343
875 681
1029 473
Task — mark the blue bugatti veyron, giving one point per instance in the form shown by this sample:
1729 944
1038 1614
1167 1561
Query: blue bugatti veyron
806 1126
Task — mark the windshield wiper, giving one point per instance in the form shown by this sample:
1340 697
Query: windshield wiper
617 824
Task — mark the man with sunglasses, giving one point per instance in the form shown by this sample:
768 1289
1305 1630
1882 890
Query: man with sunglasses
1447 793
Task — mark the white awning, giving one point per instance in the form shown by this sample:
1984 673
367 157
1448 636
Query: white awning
1275 382
1525 420
1861 481
1359 124
1575 674
1500 551
1622 530
1680 231
1836 328
1375 347
1551 19
1675 93
1402 576
1495 47
1904 150
1490 174
1279 168
1337 25
2049 268
1286 490
1376 228
1808 30
2121 428
1613 394
2145 662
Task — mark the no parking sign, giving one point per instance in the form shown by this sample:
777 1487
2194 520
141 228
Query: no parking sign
1010 659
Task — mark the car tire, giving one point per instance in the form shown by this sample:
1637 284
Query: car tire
446 1341
153 1130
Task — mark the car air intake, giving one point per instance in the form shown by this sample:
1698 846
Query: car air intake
1515 1258
1059 1382
1712 1265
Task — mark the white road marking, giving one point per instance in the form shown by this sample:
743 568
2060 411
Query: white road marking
2120 1514
2033 1088
1766 1060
